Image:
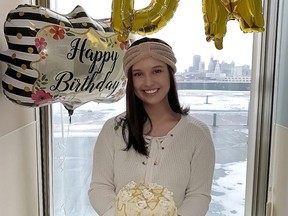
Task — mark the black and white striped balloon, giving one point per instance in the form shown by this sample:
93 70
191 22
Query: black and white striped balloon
72 59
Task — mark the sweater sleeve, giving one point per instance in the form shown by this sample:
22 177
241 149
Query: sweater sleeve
102 190
198 192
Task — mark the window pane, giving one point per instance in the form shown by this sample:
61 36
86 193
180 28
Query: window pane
72 154
214 83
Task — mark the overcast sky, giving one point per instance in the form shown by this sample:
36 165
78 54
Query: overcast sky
184 32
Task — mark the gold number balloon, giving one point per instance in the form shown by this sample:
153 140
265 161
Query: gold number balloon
218 12
145 21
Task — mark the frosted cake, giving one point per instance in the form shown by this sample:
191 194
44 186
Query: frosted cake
139 199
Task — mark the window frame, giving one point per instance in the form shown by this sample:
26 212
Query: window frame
261 113
260 120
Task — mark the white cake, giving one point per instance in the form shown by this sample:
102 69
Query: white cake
139 199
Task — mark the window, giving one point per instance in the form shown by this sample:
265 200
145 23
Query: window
214 83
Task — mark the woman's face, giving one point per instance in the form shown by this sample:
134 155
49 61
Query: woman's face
151 81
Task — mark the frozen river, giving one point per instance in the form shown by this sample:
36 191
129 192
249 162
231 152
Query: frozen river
226 113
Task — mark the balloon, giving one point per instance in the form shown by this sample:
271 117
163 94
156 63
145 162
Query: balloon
217 13
71 58
146 21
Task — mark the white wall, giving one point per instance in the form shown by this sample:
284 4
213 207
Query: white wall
18 151
279 171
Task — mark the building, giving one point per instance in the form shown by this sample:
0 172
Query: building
196 62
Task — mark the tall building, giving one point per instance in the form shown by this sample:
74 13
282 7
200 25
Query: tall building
212 64
201 66
196 62
228 68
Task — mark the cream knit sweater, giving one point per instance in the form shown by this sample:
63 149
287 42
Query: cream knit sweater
183 161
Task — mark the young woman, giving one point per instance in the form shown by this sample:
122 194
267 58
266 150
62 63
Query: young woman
155 140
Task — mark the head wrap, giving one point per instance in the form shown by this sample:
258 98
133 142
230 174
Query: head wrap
156 50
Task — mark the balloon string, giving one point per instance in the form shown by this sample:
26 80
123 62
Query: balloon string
62 145
70 112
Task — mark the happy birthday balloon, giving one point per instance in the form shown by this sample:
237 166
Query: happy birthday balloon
72 59
217 13
148 20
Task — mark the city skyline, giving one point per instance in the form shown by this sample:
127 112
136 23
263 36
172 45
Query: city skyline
198 65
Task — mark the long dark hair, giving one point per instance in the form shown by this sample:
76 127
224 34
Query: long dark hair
136 115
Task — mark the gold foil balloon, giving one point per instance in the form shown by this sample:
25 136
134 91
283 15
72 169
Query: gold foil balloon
148 20
56 58
218 12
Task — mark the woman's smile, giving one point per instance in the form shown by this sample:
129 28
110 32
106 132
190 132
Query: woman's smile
151 91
